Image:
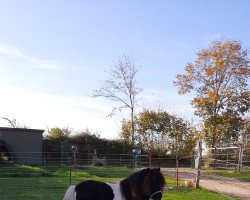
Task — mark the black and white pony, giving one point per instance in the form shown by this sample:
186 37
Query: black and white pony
142 185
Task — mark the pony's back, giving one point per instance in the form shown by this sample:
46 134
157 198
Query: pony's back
94 190
70 193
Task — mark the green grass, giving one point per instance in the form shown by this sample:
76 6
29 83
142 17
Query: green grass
189 192
24 182
193 194
243 175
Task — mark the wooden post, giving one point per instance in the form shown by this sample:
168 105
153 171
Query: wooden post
214 157
198 163
74 149
240 159
192 159
74 162
70 170
177 173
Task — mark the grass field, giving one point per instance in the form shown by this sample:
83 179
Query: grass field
244 175
49 182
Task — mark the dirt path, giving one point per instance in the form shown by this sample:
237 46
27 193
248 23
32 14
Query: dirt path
213 182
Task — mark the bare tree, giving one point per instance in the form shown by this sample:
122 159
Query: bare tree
121 86
13 123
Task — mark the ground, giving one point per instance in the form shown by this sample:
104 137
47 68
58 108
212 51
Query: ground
220 184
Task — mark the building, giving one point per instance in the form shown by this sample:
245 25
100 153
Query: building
20 145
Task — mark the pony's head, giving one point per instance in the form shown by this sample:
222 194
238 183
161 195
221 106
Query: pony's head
144 185
153 183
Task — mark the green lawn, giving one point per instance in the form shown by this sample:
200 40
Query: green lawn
21 182
190 193
195 194
244 175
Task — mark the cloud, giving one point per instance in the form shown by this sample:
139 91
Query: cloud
34 62
42 111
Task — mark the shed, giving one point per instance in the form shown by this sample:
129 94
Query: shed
21 145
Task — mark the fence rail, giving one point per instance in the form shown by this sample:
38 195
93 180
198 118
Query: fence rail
228 158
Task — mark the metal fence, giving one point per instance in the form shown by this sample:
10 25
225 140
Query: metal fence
229 158
123 160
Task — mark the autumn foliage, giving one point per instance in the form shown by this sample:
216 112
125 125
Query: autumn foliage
158 133
219 78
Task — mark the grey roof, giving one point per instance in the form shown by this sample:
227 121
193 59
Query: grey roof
22 129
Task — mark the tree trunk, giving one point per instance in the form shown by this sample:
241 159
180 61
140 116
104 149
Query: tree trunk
132 127
213 147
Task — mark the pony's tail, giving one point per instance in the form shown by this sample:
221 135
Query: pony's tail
70 193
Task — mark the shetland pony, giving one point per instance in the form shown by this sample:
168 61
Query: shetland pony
142 185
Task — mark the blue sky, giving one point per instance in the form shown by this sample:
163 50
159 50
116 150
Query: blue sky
53 54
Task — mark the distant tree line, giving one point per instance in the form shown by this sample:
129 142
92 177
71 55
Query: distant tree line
156 133
85 141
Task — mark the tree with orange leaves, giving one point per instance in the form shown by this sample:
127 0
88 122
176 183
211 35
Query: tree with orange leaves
219 77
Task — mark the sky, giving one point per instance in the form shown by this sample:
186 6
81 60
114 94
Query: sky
53 54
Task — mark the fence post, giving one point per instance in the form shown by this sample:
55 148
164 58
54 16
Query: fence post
198 163
74 149
192 159
177 173
150 161
240 159
70 170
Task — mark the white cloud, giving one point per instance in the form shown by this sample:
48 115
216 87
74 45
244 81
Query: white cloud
4 49
42 111
33 62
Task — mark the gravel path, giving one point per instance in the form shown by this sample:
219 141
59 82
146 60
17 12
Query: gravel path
220 184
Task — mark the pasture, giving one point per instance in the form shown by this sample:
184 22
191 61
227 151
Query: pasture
43 182
243 175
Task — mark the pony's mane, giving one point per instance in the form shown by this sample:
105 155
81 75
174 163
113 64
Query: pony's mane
138 183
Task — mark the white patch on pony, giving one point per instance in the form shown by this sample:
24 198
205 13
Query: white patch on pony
70 193
116 190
